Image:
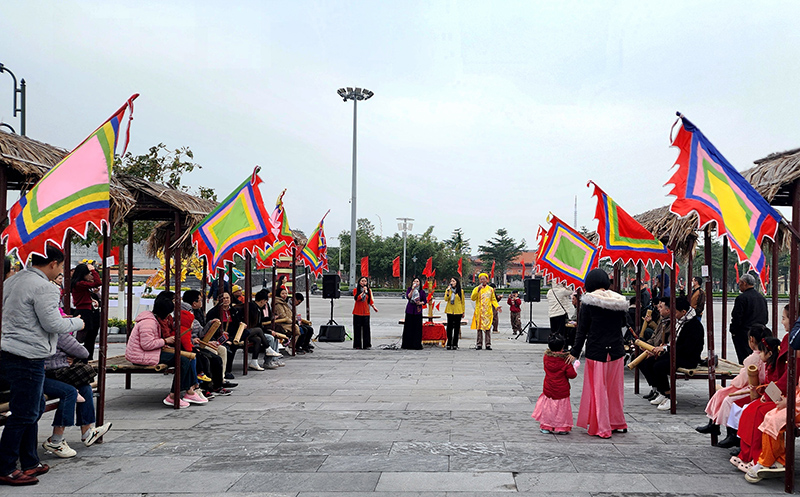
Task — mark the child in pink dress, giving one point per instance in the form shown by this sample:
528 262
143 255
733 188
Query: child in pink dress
553 410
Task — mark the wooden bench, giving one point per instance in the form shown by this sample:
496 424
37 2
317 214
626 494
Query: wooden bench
120 365
50 405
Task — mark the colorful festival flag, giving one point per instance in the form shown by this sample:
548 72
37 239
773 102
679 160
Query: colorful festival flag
239 224
396 267
622 238
428 271
461 267
522 261
566 254
541 240
706 183
71 196
365 267
281 241
315 254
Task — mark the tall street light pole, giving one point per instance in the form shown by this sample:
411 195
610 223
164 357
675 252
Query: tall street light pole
18 107
354 94
405 226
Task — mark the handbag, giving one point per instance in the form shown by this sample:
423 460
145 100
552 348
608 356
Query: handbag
77 374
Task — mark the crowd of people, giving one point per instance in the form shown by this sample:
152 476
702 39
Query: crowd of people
47 348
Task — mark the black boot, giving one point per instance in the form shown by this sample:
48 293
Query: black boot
709 428
730 440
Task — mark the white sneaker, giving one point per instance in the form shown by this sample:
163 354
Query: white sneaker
280 363
271 353
665 405
658 400
97 432
253 364
61 449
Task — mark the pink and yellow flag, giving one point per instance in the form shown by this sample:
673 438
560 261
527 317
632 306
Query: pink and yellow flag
73 195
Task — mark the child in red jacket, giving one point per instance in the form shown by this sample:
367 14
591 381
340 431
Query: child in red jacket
553 410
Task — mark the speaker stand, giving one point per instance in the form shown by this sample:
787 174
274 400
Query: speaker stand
530 325
331 321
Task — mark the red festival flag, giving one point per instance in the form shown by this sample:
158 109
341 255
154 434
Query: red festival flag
522 261
460 267
396 267
428 271
646 275
365 267
737 271
491 275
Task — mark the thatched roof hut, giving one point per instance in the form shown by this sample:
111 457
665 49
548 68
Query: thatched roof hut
669 229
26 160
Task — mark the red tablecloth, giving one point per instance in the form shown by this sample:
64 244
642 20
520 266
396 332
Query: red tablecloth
434 332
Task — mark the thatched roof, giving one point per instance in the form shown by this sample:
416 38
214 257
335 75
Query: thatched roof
774 175
26 160
669 229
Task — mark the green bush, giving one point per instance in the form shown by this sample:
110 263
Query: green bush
117 323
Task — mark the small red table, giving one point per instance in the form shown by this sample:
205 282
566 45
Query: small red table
434 333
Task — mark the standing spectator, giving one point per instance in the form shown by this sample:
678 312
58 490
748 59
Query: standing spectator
602 317
514 303
559 309
31 324
454 309
412 324
749 308
215 293
85 279
698 301
485 304
362 293
553 410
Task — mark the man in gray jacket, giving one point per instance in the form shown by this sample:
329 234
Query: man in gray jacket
31 324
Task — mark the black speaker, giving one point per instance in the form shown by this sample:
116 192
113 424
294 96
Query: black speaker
331 333
533 290
538 335
330 286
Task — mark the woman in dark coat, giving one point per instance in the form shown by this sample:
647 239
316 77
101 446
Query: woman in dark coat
412 327
600 324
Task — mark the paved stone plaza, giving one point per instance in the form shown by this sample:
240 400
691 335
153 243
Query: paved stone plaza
430 423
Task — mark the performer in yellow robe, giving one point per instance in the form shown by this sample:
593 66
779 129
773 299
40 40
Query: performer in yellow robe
485 303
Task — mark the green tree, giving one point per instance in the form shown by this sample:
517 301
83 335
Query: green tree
501 250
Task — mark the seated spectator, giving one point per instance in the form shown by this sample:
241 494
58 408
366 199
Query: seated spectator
719 407
285 319
658 328
261 322
306 330
230 318
772 460
238 295
689 342
210 360
145 346
71 385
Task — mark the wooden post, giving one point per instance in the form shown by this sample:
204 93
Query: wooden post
709 301
67 303
617 282
102 359
710 318
791 366
673 280
638 289
176 316
308 295
248 295
274 290
774 288
204 285
129 297
3 216
294 304
690 273
167 257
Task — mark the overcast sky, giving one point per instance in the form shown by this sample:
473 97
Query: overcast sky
485 114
